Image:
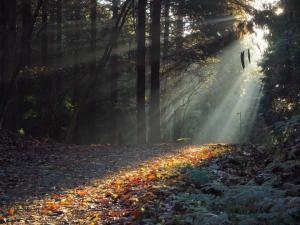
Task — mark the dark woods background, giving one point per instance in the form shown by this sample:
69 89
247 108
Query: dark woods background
74 70
88 71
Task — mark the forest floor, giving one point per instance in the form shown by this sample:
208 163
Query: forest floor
161 184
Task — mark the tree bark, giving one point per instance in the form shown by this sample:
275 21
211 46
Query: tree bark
2 45
155 72
92 124
166 28
141 71
26 23
13 62
179 27
44 41
114 81
73 134
8 58
59 32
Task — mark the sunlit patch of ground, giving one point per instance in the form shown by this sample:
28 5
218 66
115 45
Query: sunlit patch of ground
211 184
118 198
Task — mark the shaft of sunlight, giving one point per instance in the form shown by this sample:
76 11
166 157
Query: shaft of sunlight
242 97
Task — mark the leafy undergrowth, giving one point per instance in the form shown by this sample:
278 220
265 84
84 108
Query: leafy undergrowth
212 184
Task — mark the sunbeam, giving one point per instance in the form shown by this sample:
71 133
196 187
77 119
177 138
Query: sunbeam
233 106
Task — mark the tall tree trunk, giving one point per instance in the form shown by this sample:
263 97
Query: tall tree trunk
44 41
167 24
26 23
73 135
14 64
141 71
114 81
165 53
59 32
179 27
51 32
8 59
155 72
2 45
92 124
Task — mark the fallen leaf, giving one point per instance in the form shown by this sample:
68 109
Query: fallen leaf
2 219
81 193
11 211
56 196
51 208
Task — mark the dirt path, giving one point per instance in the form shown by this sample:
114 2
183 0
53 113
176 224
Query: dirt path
35 171
163 184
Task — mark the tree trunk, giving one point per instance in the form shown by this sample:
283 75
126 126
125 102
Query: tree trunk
73 135
2 44
141 71
166 28
44 41
114 81
8 59
179 27
51 33
27 23
92 123
155 72
13 64
59 32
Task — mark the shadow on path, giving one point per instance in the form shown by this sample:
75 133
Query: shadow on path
40 170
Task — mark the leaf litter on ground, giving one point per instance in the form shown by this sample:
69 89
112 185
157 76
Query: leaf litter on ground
210 184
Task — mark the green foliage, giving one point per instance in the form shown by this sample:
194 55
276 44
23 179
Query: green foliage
69 105
212 202
280 104
21 132
197 176
283 166
30 114
242 204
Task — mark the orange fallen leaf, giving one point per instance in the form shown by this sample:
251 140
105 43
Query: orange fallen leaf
151 177
117 213
11 211
136 181
52 207
81 193
65 202
56 196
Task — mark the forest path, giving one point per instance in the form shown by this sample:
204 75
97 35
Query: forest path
34 171
162 184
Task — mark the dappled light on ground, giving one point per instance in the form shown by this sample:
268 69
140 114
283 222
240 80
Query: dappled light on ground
210 184
121 195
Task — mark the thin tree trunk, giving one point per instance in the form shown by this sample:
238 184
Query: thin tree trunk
51 33
75 136
114 81
141 71
44 41
166 28
59 32
2 45
9 51
155 73
26 23
93 103
179 27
